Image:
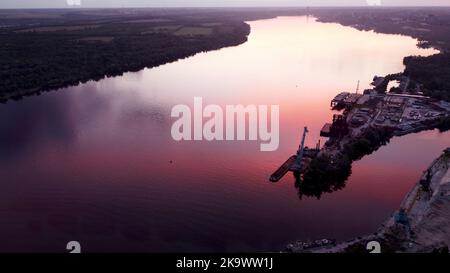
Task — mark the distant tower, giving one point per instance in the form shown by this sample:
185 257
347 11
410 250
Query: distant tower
307 14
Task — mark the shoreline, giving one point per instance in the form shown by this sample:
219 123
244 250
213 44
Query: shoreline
421 223
366 122
236 20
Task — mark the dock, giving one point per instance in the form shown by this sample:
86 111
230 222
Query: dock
326 130
283 169
345 99
288 166
296 163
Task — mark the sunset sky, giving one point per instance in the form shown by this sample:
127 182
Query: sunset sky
212 3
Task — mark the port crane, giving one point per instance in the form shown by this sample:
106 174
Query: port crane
294 163
297 166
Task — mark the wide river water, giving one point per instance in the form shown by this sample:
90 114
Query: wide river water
96 163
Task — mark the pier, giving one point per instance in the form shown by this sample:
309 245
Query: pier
296 163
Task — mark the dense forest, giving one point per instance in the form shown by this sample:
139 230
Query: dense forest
433 72
39 58
48 49
326 174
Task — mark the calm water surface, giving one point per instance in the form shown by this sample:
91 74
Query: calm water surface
92 163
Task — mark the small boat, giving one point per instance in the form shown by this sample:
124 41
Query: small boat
278 174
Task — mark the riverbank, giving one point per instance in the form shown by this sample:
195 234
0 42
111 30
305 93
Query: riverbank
421 224
368 121
47 54
365 123
51 49
431 26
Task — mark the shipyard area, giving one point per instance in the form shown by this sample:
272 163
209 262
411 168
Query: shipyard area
401 111
363 122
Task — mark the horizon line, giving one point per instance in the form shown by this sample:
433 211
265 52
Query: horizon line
223 7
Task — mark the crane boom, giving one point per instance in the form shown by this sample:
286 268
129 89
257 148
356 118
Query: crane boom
298 162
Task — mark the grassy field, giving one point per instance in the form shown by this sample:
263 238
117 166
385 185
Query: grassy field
57 28
156 20
194 31
164 29
96 39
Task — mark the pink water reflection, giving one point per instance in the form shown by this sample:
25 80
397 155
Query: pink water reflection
96 163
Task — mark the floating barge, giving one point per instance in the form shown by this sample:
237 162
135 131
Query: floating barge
296 163
326 130
286 167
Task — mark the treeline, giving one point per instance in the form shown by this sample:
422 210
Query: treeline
367 143
326 174
444 124
431 26
114 41
382 88
433 72
36 61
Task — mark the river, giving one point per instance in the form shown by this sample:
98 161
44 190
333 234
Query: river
96 163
